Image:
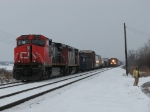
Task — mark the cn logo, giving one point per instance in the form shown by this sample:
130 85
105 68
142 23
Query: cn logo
24 55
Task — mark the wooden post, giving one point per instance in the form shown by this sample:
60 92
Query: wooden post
125 49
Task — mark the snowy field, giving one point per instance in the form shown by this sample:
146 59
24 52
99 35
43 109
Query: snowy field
110 91
7 67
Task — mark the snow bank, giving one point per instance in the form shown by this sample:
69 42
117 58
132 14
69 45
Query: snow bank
110 91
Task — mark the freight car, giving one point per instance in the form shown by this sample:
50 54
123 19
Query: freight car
37 57
87 60
85 63
98 61
114 62
106 61
103 63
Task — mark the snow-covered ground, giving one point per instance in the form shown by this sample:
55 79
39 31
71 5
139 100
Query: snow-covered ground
110 91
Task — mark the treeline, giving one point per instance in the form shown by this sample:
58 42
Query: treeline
6 62
140 57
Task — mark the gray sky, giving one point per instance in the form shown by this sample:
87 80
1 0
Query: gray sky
85 24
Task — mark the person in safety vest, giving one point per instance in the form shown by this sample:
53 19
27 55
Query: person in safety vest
136 76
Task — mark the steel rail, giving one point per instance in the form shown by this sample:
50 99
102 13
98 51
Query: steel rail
13 85
9 83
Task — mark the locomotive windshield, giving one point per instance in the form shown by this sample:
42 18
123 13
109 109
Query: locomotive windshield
22 42
39 42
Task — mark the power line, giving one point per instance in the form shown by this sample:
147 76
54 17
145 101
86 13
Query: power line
7 38
138 31
7 33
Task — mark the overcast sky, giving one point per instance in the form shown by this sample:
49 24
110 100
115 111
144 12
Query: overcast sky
85 24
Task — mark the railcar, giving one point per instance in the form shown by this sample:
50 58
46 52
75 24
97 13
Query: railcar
114 62
37 57
98 61
87 60
106 62
103 63
85 63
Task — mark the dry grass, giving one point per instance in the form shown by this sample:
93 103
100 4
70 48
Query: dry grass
5 75
144 71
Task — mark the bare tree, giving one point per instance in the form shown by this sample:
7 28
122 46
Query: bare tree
131 58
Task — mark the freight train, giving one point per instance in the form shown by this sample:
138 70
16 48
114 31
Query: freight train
37 57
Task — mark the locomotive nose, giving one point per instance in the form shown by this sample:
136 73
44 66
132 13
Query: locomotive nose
26 54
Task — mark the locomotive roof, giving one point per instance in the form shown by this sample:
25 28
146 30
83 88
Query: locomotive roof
97 55
105 58
64 45
113 58
86 51
35 36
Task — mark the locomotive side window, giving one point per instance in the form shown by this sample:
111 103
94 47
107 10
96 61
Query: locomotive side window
47 42
22 42
39 42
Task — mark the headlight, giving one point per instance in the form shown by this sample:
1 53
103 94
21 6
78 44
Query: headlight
97 61
18 61
28 48
34 61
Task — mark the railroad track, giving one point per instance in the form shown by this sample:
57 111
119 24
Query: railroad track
19 83
9 83
19 97
12 85
14 93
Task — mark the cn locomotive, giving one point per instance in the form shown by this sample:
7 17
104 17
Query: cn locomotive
37 57
114 62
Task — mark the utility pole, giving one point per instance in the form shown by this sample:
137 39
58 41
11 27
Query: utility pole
125 49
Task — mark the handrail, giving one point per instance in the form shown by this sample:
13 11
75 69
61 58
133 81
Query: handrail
40 57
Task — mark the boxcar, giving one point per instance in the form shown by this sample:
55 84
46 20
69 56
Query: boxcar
87 60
